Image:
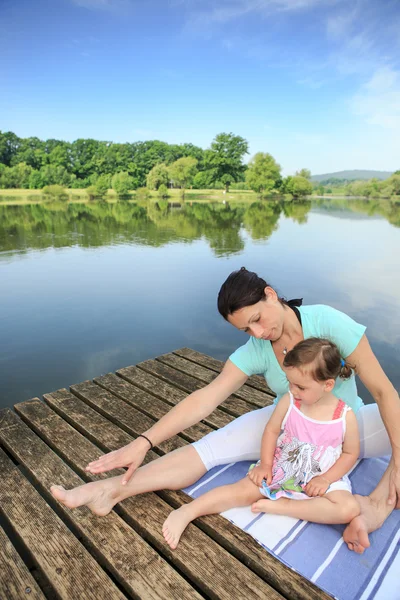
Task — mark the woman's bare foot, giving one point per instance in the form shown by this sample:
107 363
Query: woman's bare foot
99 496
372 516
175 525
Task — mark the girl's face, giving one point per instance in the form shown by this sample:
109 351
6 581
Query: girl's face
262 320
304 387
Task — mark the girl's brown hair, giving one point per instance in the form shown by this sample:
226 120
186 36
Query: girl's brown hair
320 358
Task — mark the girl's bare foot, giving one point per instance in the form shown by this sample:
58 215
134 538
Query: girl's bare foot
99 496
371 518
175 525
261 506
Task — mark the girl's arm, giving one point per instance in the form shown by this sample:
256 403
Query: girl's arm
268 443
375 380
350 453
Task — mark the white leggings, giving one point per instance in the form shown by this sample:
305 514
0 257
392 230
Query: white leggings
241 439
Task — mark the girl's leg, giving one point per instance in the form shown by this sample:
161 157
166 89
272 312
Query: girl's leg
374 508
242 493
240 440
333 508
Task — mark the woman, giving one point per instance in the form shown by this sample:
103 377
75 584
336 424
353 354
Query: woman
275 327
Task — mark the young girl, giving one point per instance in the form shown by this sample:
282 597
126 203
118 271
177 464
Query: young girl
309 444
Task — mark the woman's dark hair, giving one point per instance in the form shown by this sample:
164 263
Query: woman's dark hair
242 288
320 358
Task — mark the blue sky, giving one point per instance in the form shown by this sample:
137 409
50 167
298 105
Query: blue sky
314 82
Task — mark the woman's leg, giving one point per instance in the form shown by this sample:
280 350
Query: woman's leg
333 508
240 440
242 493
374 508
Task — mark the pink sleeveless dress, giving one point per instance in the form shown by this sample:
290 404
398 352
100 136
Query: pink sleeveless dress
306 448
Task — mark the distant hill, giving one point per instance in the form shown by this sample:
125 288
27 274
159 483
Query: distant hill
351 175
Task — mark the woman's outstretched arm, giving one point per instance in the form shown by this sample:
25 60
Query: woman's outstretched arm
188 412
375 380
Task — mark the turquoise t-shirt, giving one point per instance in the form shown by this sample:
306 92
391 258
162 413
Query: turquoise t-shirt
257 356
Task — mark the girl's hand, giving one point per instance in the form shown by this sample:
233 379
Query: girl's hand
317 486
130 456
257 474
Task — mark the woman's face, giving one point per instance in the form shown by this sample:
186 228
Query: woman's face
262 320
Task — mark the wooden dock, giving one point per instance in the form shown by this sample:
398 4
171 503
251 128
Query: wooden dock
49 551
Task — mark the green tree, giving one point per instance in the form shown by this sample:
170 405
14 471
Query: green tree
56 191
9 145
159 175
56 175
298 186
202 180
394 181
102 185
224 160
122 183
183 171
16 177
306 173
163 191
263 173
36 181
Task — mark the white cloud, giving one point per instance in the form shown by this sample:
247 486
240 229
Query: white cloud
378 100
228 10
110 5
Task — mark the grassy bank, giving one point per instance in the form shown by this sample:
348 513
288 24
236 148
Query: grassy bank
22 196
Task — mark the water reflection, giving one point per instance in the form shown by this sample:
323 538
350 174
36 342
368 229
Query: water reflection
40 226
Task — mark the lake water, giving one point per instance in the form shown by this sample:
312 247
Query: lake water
89 288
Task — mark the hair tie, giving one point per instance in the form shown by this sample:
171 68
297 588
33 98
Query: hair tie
295 302
342 362
146 438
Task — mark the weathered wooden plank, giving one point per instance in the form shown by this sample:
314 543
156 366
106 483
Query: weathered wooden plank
233 405
137 375
145 402
134 377
64 562
256 381
111 407
139 569
237 542
254 397
16 582
203 561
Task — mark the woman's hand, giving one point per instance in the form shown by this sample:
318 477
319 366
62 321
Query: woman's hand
317 486
130 456
260 472
394 487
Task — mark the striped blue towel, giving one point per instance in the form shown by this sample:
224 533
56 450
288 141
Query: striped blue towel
327 560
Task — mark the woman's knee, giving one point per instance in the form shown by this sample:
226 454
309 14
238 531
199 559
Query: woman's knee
240 440
374 439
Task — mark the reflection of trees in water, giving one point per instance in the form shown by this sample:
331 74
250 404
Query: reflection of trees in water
297 210
152 223
375 206
261 218
156 223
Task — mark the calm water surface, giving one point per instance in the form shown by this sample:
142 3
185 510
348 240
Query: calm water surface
89 288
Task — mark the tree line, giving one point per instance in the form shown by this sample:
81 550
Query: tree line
371 188
32 163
